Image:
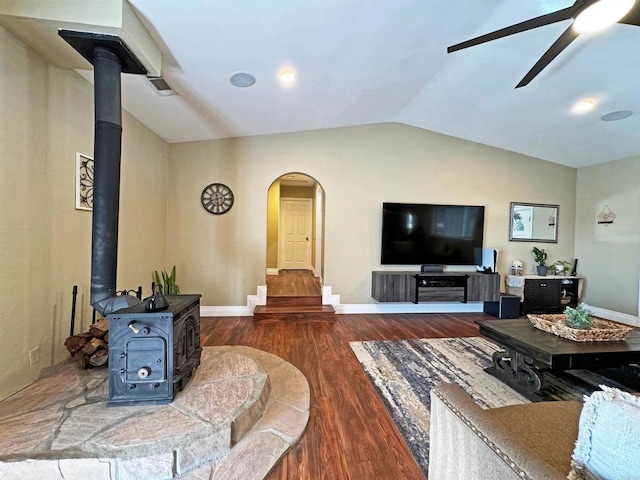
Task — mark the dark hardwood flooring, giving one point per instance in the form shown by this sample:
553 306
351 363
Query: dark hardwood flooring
295 296
350 435
298 283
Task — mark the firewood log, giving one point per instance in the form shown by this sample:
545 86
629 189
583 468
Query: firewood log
92 345
100 328
99 358
81 359
75 343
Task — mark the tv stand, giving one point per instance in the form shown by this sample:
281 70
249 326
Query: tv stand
393 286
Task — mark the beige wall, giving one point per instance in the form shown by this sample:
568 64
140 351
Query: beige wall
297 192
25 216
609 256
46 117
224 257
273 215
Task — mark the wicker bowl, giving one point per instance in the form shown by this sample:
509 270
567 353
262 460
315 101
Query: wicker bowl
602 331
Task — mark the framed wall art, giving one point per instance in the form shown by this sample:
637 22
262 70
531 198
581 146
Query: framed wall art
84 182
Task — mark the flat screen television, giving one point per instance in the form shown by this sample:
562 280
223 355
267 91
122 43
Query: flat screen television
418 234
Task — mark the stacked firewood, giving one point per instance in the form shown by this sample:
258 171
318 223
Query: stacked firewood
90 349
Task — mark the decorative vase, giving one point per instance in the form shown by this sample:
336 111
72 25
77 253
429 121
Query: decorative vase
542 270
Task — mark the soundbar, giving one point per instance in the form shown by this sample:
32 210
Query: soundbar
429 268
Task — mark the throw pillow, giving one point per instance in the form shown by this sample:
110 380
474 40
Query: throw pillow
608 445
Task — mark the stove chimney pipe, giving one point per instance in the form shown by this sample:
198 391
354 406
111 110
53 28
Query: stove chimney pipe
106 184
109 56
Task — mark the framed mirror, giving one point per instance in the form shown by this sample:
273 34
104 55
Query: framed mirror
533 222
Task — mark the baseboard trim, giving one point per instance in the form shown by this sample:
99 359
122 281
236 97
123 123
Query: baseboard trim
615 316
445 307
272 271
232 311
448 307
435 307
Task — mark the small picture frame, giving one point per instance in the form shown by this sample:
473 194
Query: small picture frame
84 182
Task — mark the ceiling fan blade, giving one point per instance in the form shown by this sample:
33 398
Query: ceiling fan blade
541 21
633 17
559 45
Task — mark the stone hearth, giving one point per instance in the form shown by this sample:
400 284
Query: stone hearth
240 413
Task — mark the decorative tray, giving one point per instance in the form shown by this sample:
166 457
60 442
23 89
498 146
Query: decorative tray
602 331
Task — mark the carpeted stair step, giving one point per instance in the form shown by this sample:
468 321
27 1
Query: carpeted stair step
294 313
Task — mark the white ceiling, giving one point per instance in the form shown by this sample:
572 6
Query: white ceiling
373 61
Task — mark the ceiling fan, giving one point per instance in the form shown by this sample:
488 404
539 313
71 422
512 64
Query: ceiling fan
587 15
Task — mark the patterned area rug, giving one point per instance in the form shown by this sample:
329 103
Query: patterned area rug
403 373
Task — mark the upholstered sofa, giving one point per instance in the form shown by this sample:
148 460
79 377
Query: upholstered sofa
534 441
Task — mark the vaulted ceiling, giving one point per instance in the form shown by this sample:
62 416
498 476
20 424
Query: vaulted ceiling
373 61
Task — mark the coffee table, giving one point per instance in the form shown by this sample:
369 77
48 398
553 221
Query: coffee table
529 351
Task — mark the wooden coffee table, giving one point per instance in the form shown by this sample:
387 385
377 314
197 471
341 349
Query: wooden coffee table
528 351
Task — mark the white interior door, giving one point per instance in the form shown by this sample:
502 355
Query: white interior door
295 233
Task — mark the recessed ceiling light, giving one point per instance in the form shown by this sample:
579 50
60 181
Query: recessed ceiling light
288 76
601 14
583 106
242 79
616 115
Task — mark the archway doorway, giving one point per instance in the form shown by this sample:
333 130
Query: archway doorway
295 224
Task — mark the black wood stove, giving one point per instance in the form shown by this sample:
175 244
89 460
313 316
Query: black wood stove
152 355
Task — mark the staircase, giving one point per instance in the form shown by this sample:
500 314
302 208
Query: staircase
293 296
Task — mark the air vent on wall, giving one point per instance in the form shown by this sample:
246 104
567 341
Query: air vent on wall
161 86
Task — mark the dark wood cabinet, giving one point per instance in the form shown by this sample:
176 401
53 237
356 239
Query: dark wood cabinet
547 294
483 287
393 286
434 287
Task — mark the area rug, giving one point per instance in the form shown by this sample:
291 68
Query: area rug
403 373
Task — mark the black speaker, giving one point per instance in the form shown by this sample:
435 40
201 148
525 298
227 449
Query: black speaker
507 307
574 272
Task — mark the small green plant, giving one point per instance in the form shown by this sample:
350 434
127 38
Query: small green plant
167 281
540 256
579 317
561 267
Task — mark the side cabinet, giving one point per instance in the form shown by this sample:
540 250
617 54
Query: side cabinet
549 295
401 287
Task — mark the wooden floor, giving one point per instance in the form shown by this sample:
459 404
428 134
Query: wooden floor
293 295
350 436
299 283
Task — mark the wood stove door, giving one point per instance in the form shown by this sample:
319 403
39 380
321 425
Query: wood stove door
145 360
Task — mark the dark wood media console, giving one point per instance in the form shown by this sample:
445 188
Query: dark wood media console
435 287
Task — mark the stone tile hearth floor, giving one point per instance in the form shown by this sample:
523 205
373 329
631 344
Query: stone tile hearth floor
242 410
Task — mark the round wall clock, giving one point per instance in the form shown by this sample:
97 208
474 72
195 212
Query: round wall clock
217 198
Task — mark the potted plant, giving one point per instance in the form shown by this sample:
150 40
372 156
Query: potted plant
540 257
561 267
579 317
167 281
